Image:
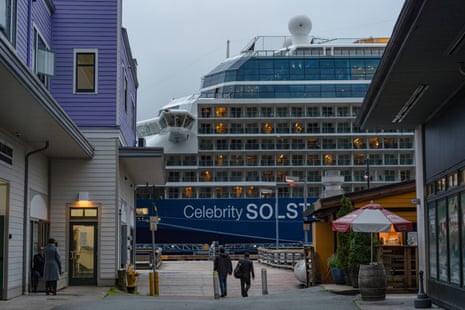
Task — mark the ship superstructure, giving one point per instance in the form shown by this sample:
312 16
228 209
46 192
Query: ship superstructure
284 107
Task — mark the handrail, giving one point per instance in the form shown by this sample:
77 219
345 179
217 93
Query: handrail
283 257
289 258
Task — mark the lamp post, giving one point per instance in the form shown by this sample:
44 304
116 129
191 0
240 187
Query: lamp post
276 210
367 171
293 180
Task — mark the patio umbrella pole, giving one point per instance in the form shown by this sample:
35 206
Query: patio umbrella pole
371 248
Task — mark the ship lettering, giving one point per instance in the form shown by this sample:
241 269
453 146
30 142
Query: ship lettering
230 212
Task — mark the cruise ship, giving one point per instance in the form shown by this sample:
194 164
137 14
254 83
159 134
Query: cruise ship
270 131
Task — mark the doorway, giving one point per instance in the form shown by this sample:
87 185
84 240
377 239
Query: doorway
3 208
83 254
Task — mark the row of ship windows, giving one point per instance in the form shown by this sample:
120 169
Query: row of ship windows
279 111
240 159
298 127
288 91
355 175
297 69
253 191
302 144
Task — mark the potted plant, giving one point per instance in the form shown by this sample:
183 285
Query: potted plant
359 253
336 272
343 240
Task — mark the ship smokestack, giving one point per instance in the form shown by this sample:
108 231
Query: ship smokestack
227 49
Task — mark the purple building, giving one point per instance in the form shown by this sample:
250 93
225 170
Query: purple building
69 164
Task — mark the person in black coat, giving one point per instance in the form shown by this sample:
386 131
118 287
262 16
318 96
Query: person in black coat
223 266
246 267
38 268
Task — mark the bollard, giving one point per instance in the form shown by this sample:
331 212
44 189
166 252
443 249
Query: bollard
156 283
264 282
151 284
216 285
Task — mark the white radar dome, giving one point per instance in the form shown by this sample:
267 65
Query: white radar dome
300 26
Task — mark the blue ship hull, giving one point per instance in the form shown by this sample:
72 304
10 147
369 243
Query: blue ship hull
223 220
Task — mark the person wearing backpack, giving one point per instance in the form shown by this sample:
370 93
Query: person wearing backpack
223 266
246 268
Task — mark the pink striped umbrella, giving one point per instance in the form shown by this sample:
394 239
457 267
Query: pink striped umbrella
371 218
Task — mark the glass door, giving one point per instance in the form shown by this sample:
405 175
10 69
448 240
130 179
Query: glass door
83 254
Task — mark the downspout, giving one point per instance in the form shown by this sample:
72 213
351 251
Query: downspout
26 214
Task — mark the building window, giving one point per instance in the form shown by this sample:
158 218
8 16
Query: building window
85 72
44 59
6 154
8 19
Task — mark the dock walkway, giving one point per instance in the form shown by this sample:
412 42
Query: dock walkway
195 279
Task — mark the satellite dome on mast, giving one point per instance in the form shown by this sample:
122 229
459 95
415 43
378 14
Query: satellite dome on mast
300 27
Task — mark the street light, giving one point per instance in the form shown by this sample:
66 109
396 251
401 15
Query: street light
293 180
367 171
276 209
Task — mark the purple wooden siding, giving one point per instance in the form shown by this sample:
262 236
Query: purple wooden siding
30 15
86 24
22 31
41 19
127 117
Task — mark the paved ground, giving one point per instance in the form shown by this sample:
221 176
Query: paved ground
188 285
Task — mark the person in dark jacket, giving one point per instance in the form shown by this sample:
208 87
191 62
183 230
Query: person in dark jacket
223 266
52 267
37 268
246 267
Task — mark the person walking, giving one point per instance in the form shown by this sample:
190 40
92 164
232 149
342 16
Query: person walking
223 266
37 268
246 268
52 267
212 251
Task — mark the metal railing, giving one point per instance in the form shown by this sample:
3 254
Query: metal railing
284 258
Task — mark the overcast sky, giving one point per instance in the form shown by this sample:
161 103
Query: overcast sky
176 42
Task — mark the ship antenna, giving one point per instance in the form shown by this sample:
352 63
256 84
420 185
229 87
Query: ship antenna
227 49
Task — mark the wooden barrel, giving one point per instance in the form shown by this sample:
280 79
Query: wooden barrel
372 282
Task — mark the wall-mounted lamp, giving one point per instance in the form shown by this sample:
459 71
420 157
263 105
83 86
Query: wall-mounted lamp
83 196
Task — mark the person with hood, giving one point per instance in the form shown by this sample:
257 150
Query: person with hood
223 266
38 268
52 267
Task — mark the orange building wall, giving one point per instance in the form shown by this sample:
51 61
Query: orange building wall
324 239
324 245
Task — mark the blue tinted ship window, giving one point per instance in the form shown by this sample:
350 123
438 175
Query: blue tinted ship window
288 91
230 76
328 90
282 91
312 64
343 91
359 90
294 68
281 69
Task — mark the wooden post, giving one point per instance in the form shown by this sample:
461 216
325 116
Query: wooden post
216 285
151 284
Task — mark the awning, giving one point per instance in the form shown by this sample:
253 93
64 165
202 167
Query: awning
28 111
145 165
423 65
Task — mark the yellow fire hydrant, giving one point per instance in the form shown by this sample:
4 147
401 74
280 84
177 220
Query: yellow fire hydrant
131 276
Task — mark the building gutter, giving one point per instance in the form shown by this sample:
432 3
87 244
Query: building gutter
26 213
